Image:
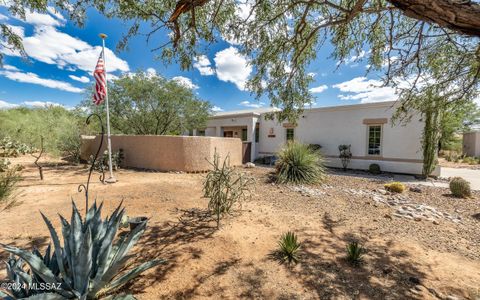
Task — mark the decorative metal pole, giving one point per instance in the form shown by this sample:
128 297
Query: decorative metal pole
109 142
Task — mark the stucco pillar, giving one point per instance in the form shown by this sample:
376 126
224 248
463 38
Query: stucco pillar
251 137
218 131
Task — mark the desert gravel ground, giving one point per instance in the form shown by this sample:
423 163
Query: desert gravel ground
405 259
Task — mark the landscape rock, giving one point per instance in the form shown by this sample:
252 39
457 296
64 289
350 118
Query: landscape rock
249 165
415 189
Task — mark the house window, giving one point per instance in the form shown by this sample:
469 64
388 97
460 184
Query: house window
257 135
290 133
201 133
374 139
244 134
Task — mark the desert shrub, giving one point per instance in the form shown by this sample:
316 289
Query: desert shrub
8 182
395 187
374 169
345 155
451 156
460 187
4 164
87 265
225 187
355 253
289 247
59 127
12 148
101 163
298 163
470 160
315 147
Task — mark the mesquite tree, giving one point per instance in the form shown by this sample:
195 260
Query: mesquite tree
416 43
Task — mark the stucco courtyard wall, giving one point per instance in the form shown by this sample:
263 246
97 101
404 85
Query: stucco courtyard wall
471 143
168 153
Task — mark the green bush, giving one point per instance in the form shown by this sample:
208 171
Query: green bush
4 164
59 127
345 155
89 264
289 247
395 187
374 169
355 253
460 187
298 163
8 182
102 162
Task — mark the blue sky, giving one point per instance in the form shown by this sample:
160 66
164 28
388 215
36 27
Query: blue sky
62 57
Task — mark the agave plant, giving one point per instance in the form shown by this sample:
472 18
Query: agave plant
89 264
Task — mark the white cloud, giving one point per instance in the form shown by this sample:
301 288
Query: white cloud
3 17
51 46
7 105
217 109
35 79
83 79
10 68
231 66
365 90
187 82
318 89
41 103
53 11
252 104
151 71
36 18
355 58
203 65
312 74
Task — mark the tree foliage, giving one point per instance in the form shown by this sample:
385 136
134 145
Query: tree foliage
59 127
143 103
416 43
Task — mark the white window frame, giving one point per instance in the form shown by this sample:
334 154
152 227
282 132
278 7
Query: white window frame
381 140
286 134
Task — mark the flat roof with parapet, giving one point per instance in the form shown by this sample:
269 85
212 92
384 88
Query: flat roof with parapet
263 110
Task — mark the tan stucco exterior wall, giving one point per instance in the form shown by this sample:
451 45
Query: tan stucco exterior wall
471 143
169 153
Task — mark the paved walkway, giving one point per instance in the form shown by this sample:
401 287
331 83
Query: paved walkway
473 176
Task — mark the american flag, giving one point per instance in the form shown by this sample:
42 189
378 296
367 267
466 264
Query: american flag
100 81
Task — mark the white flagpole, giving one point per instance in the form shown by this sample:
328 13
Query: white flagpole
109 142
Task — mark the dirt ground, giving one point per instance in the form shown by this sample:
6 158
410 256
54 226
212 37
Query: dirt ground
450 164
405 259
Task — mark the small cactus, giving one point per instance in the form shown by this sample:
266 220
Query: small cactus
374 169
395 187
460 187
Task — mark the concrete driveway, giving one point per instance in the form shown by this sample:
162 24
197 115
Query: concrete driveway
472 176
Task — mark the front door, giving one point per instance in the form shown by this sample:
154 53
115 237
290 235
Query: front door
228 134
246 152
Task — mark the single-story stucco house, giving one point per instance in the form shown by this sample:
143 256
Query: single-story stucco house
367 128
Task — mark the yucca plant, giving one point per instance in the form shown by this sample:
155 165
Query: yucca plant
355 253
298 163
225 187
89 264
289 247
